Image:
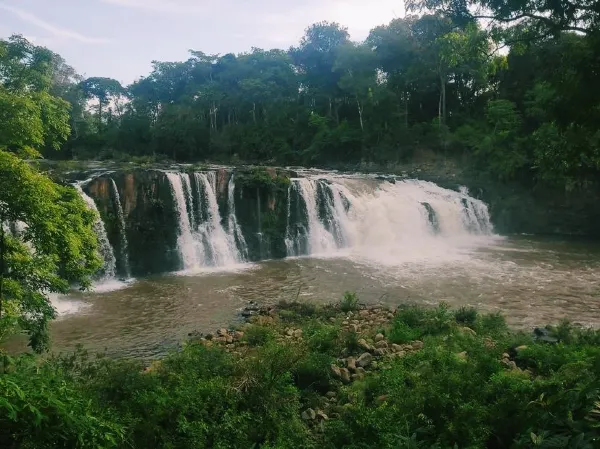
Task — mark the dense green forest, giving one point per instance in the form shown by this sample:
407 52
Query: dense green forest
515 95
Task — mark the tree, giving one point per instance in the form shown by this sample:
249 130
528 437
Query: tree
103 90
46 235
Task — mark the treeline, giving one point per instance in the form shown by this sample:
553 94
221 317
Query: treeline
518 98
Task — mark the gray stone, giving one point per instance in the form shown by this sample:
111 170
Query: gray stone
381 344
335 370
380 352
362 343
345 375
396 348
351 363
364 360
416 345
331 394
309 414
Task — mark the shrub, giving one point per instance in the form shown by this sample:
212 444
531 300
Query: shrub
258 335
349 302
466 316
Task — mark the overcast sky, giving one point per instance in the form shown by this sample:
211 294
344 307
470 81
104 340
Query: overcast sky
120 38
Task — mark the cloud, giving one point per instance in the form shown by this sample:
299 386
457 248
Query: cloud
162 6
55 30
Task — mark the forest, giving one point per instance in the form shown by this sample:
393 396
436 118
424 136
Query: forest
513 94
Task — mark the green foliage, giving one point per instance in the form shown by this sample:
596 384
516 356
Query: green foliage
56 248
454 392
466 316
349 302
258 335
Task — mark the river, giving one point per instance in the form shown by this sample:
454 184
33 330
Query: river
531 281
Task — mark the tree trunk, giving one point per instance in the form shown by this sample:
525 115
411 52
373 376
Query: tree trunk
406 110
360 114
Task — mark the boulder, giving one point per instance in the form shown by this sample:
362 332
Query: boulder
417 345
364 360
345 375
298 333
381 344
351 363
380 352
335 370
396 348
467 331
322 416
362 343
222 332
309 414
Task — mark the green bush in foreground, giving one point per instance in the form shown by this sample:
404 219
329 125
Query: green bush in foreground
457 392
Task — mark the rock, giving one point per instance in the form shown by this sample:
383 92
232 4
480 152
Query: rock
400 354
364 360
417 345
362 343
374 364
380 352
298 333
222 332
489 343
238 335
364 313
229 339
289 332
332 320
309 414
396 348
547 339
381 344
520 348
362 370
467 331
379 337
505 356
335 370
462 355
351 363
354 327
331 394
345 375
357 376
344 323
322 416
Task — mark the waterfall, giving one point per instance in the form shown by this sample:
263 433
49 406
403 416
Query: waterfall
222 245
233 226
389 219
122 230
105 248
185 240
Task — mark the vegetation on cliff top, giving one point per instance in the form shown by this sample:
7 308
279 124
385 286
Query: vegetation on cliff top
307 376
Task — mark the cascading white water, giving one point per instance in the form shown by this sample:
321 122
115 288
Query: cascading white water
105 249
320 240
185 240
122 229
223 249
234 227
388 222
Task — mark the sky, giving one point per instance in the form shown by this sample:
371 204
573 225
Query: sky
120 38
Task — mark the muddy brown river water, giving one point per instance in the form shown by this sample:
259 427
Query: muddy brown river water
531 281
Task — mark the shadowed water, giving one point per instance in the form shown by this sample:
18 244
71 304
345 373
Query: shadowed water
533 282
